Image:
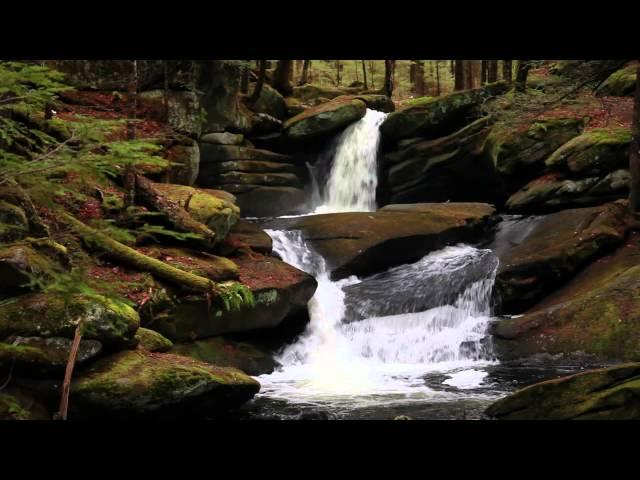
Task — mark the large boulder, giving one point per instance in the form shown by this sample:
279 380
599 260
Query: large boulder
451 168
271 103
279 290
48 315
152 341
160 384
362 243
519 153
45 354
227 353
597 313
553 192
324 120
218 269
251 235
19 264
555 250
605 394
186 163
14 223
621 83
308 92
598 151
439 116
184 109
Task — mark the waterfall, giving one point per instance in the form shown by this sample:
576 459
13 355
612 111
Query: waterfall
353 179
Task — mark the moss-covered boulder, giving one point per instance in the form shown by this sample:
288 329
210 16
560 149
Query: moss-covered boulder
227 353
553 192
270 102
308 92
324 120
45 354
605 394
361 243
152 341
439 116
382 103
48 315
556 249
279 290
621 83
450 168
14 224
519 152
203 264
18 405
139 382
19 263
597 313
206 207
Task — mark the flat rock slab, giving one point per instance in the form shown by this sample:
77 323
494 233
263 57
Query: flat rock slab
360 243
604 394
555 250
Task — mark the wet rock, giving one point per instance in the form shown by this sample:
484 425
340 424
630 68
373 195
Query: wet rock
152 341
605 394
44 354
269 201
438 116
139 382
227 353
365 243
252 235
595 313
280 290
556 248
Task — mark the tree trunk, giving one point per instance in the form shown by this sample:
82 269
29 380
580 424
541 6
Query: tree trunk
521 75
372 70
452 66
476 69
68 373
459 75
492 71
299 66
282 77
132 91
485 71
165 96
507 65
634 155
437 79
389 71
256 93
468 74
244 80
364 73
338 79
304 78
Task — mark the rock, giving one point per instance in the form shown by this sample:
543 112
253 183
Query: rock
262 124
324 120
605 394
188 159
252 235
14 224
402 417
160 384
279 290
184 109
47 315
294 107
204 205
45 354
266 179
596 313
226 353
18 264
451 168
381 103
307 92
223 138
621 83
227 153
438 116
218 269
555 249
519 154
596 152
267 201
251 166
361 243
553 192
270 102
152 341
17 405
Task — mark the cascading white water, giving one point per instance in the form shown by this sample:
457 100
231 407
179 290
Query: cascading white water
353 179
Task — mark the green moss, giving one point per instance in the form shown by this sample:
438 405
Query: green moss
152 341
324 119
620 83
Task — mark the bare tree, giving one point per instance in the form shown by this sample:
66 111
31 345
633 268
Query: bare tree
282 77
261 75
492 71
468 74
507 65
452 66
165 97
372 71
364 73
521 75
389 72
634 155
244 80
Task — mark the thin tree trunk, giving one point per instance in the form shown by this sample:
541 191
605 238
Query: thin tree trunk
338 79
485 71
521 75
476 69
419 79
132 90
634 155
437 79
165 97
364 73
459 75
389 71
507 65
452 66
304 78
244 80
372 72
492 71
261 75
355 67
468 74
299 66
282 77
68 373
